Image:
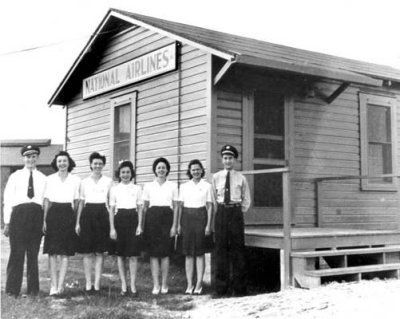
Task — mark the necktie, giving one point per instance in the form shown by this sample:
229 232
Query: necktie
227 194
31 191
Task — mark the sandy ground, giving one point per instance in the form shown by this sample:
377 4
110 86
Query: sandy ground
366 299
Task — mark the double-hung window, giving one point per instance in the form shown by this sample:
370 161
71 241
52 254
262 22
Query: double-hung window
123 111
378 141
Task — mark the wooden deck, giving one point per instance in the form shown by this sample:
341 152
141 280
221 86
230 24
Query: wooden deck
319 237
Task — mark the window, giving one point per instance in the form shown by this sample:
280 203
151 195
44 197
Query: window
123 110
378 141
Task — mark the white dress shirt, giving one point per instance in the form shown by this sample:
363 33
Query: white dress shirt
160 195
195 195
59 191
95 193
126 196
240 192
16 191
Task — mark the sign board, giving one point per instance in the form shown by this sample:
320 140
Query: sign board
144 67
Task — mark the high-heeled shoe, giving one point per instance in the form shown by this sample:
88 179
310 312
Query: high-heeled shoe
53 292
189 291
156 290
164 290
198 291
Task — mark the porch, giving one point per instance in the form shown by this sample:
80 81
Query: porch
309 255
321 254
319 237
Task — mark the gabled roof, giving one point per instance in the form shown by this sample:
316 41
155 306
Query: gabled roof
248 51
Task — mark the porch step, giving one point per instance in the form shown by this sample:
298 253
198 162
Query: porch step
311 267
351 270
313 278
345 252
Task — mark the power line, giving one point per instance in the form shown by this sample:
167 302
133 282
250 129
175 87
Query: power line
55 43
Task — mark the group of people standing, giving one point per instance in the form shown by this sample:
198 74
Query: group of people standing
94 216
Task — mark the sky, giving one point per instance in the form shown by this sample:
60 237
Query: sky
40 40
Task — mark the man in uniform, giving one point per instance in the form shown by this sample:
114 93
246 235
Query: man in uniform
23 219
233 198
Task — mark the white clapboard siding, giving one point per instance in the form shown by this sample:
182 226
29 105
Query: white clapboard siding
229 122
327 143
170 109
398 135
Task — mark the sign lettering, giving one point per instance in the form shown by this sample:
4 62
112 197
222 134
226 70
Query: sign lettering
146 66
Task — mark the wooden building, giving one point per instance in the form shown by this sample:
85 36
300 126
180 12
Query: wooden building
310 128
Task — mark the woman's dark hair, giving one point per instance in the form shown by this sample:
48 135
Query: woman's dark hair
194 162
121 166
161 160
97 155
71 162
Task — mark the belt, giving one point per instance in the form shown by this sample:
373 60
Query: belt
230 205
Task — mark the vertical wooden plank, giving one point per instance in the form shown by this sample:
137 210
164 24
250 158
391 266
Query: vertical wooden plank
211 114
112 123
211 164
282 267
133 127
286 231
318 202
290 146
248 137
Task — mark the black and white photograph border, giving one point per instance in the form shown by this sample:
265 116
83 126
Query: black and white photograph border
322 237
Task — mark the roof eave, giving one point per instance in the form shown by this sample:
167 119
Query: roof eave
327 73
55 96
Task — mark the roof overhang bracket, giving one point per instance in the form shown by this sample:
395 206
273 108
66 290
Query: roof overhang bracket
223 70
337 92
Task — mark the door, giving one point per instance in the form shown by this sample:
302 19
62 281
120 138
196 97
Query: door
265 146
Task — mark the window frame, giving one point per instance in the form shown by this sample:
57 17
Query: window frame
381 101
117 101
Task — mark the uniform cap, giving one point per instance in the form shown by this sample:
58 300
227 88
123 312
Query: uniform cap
229 150
30 149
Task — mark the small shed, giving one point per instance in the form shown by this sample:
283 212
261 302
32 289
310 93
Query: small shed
318 135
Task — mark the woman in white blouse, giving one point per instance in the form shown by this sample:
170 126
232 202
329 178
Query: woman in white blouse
126 223
160 206
60 202
195 213
93 224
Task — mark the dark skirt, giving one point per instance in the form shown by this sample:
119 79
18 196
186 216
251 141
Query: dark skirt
127 243
157 229
94 236
60 237
194 221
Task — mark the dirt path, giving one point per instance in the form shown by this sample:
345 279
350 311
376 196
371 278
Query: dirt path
366 299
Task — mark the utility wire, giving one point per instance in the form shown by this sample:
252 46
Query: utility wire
55 43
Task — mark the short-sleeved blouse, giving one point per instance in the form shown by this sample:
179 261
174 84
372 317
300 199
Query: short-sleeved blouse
195 195
126 196
59 191
160 195
95 193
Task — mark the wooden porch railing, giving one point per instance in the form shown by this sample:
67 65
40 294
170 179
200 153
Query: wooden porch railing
319 189
287 220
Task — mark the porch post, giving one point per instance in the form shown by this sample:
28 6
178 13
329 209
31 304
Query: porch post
285 253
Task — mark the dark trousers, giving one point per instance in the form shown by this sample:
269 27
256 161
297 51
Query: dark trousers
229 251
25 235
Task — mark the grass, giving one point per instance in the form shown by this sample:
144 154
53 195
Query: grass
108 304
